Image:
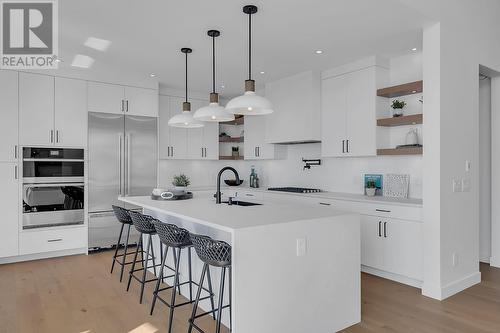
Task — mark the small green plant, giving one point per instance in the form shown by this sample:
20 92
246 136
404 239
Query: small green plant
371 184
181 180
397 104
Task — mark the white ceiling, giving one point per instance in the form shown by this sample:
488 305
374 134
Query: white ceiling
146 36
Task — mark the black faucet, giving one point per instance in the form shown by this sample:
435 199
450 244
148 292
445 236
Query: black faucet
218 194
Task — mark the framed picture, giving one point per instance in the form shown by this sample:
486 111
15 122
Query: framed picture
377 179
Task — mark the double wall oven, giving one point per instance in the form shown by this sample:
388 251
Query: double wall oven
53 187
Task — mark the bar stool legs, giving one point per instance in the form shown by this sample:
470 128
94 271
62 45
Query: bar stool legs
116 256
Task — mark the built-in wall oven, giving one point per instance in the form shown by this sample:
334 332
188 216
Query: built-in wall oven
53 187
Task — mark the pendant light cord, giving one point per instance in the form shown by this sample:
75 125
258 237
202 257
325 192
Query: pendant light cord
213 64
249 46
186 77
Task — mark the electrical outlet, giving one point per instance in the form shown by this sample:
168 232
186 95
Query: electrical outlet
466 185
301 247
454 259
457 185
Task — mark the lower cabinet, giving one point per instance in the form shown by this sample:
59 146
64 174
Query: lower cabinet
392 245
40 241
9 206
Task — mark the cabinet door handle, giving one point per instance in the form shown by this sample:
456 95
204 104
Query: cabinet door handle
325 204
380 228
127 104
347 145
15 171
343 146
15 152
385 229
123 105
51 136
172 150
382 210
54 240
255 151
57 136
258 151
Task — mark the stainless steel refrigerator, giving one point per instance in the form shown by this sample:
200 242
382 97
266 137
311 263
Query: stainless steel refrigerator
122 161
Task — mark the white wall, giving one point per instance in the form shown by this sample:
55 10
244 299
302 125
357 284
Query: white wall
336 174
466 36
485 170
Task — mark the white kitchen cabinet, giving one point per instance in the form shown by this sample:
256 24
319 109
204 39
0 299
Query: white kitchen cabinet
141 101
255 146
297 109
180 143
392 245
70 113
9 206
41 241
111 98
9 111
36 109
349 107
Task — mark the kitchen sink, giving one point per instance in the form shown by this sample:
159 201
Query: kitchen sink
242 203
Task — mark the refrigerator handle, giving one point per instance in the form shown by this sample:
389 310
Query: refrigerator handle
120 162
127 156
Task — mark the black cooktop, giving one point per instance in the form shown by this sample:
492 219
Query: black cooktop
295 189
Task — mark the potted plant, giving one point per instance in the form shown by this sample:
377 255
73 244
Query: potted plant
371 188
397 107
181 182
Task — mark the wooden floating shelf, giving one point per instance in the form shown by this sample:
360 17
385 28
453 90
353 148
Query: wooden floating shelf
402 89
229 139
401 151
240 120
400 121
230 157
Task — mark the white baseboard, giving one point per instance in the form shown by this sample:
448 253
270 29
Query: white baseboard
495 261
391 276
452 288
45 255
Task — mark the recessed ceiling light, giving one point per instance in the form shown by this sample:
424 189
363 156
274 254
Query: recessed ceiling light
318 51
152 75
262 72
97 44
414 49
82 61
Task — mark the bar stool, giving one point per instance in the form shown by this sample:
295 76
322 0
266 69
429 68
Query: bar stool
218 254
177 239
123 217
143 224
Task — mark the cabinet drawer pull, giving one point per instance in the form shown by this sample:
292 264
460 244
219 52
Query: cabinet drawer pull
54 240
249 194
380 228
383 210
325 204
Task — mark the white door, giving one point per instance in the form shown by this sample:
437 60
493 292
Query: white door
141 102
9 112
178 136
9 206
71 113
372 242
333 116
361 114
403 248
107 98
164 129
36 109
211 141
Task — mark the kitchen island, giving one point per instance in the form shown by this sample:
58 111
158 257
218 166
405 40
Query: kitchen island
295 267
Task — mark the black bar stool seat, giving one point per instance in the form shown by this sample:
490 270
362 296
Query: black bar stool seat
143 224
217 254
178 239
123 216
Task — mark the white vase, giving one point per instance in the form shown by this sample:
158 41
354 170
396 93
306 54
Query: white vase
180 188
397 112
371 192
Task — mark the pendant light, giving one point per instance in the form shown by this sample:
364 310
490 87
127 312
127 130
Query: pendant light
249 103
185 119
213 112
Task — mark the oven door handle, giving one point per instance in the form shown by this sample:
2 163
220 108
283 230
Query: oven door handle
53 185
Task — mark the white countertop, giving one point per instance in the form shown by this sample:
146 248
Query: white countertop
203 209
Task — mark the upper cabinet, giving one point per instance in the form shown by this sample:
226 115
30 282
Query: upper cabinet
296 103
9 111
255 146
349 106
70 112
52 111
110 98
36 109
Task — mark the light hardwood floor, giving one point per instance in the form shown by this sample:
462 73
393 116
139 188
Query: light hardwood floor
77 294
